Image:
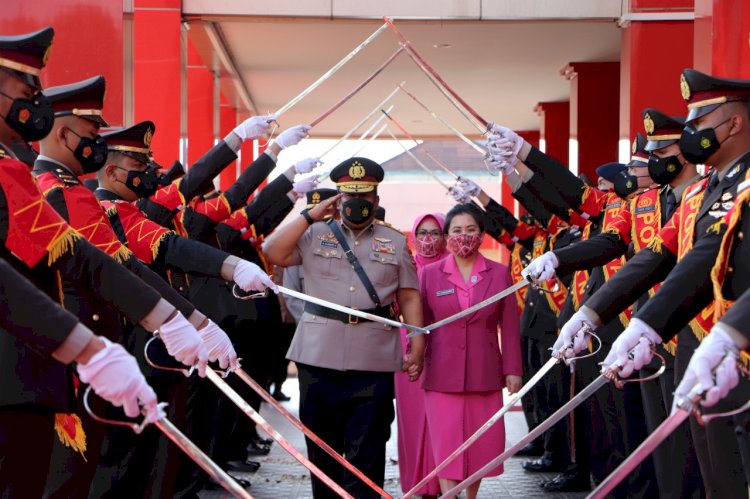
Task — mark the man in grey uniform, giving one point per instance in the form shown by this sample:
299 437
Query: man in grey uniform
346 364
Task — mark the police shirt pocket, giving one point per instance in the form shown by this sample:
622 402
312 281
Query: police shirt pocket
385 271
327 262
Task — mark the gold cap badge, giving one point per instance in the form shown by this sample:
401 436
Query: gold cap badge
356 171
147 137
684 88
635 145
316 197
648 124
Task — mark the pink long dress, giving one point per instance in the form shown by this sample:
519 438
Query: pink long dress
415 456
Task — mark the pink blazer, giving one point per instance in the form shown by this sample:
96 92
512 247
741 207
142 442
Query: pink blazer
464 356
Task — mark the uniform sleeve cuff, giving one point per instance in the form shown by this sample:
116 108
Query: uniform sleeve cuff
514 181
233 141
591 315
74 344
289 173
269 152
158 315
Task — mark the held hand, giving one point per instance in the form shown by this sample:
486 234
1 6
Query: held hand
714 366
572 338
306 165
413 364
324 209
254 128
292 136
637 338
114 375
458 194
542 268
515 141
219 346
250 277
513 383
184 343
502 163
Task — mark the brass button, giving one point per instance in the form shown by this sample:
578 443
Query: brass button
531 303
740 235
351 288
95 317
730 270
541 292
182 288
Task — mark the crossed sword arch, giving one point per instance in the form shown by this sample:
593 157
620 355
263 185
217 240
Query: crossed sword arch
686 405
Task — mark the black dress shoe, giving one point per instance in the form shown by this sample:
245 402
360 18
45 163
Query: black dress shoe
258 449
543 464
246 466
214 485
531 449
265 441
281 396
565 482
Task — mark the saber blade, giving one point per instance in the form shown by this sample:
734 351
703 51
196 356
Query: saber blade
308 432
201 459
347 310
660 434
358 88
263 424
417 161
330 72
489 301
485 427
532 435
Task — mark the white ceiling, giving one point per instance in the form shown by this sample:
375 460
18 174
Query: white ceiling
501 68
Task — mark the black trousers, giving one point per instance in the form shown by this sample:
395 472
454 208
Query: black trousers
352 411
26 438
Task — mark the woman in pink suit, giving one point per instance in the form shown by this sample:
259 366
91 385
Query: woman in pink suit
415 458
466 363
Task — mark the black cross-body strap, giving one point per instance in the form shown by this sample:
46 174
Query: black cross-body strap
353 260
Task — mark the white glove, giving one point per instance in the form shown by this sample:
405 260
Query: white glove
114 375
219 346
638 337
304 186
184 343
458 194
502 163
306 165
255 127
469 187
292 136
572 339
542 268
712 367
516 142
250 277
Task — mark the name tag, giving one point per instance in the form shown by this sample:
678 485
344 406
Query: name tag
445 292
645 209
329 244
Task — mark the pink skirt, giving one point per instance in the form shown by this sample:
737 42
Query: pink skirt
454 417
414 451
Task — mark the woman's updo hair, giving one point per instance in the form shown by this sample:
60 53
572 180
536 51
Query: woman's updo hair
467 209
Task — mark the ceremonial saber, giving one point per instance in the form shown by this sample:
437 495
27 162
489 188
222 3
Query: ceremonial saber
334 306
358 88
531 436
263 424
322 176
447 125
308 432
371 139
330 72
417 161
180 440
438 81
428 153
362 122
489 301
552 362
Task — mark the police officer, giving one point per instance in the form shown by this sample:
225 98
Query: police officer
346 364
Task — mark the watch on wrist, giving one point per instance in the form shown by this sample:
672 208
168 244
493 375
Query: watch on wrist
307 216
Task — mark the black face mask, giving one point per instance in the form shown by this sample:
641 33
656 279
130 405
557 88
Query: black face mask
664 170
357 210
144 184
698 146
91 153
32 118
625 184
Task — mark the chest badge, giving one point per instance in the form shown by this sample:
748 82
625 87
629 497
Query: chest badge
445 292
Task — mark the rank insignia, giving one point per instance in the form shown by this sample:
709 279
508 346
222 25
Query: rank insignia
716 206
726 196
383 240
727 205
734 171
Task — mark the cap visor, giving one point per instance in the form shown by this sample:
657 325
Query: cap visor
653 145
697 112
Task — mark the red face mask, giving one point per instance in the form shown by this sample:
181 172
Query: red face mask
430 246
464 245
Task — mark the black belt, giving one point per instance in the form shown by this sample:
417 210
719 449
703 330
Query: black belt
385 311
